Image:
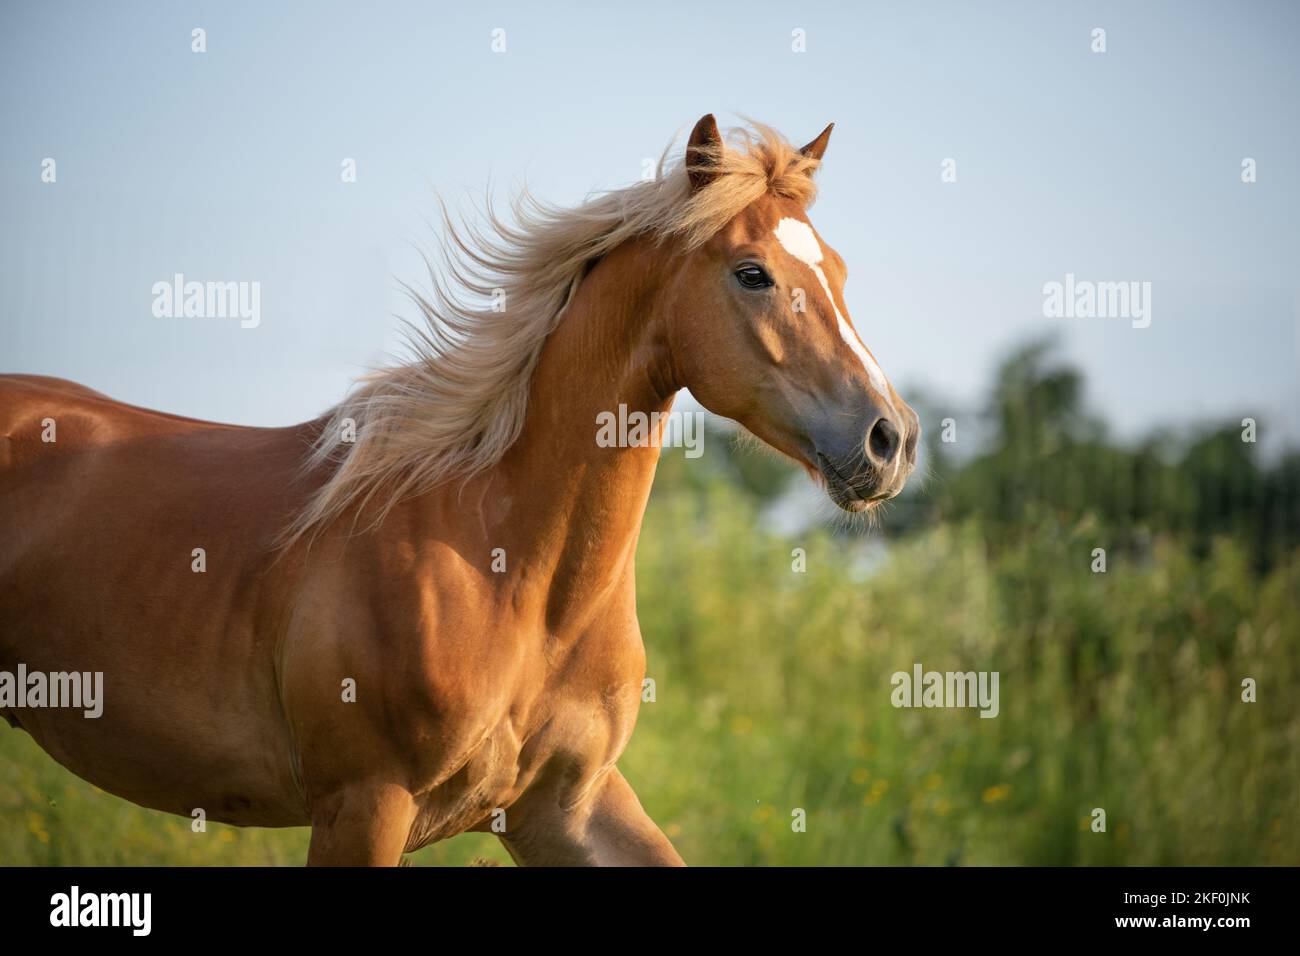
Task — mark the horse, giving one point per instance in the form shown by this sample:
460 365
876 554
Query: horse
414 616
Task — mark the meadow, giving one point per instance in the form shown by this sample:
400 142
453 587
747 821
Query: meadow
772 694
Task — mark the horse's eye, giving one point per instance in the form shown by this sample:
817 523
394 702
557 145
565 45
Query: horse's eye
753 277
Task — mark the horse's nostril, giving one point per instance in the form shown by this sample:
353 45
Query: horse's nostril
913 428
909 447
883 441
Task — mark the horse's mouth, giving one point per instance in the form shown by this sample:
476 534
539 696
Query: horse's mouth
857 494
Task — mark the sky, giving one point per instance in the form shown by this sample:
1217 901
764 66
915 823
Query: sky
1115 166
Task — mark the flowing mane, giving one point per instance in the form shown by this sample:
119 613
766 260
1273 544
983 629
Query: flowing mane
458 404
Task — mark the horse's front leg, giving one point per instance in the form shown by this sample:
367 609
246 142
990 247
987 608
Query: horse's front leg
362 824
608 829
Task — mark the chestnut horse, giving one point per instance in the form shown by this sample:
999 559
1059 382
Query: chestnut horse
415 616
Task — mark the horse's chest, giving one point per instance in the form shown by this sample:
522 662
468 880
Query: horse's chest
511 726
553 753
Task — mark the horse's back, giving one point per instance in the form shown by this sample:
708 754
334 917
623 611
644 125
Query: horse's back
84 476
42 416
68 452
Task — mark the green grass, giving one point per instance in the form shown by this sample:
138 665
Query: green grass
1118 690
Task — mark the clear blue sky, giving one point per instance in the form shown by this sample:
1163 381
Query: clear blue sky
225 165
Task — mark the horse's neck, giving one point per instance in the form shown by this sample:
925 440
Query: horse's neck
574 508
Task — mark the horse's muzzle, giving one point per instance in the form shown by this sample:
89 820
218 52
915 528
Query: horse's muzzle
876 468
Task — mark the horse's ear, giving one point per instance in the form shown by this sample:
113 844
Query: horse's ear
817 148
702 151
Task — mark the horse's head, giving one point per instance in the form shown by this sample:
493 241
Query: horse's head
760 332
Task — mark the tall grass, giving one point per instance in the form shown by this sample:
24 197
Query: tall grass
1120 691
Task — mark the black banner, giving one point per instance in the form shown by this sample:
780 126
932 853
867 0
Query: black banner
237 905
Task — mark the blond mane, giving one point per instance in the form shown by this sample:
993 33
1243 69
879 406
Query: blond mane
458 404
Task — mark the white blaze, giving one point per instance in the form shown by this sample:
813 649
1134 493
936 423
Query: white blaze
798 239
